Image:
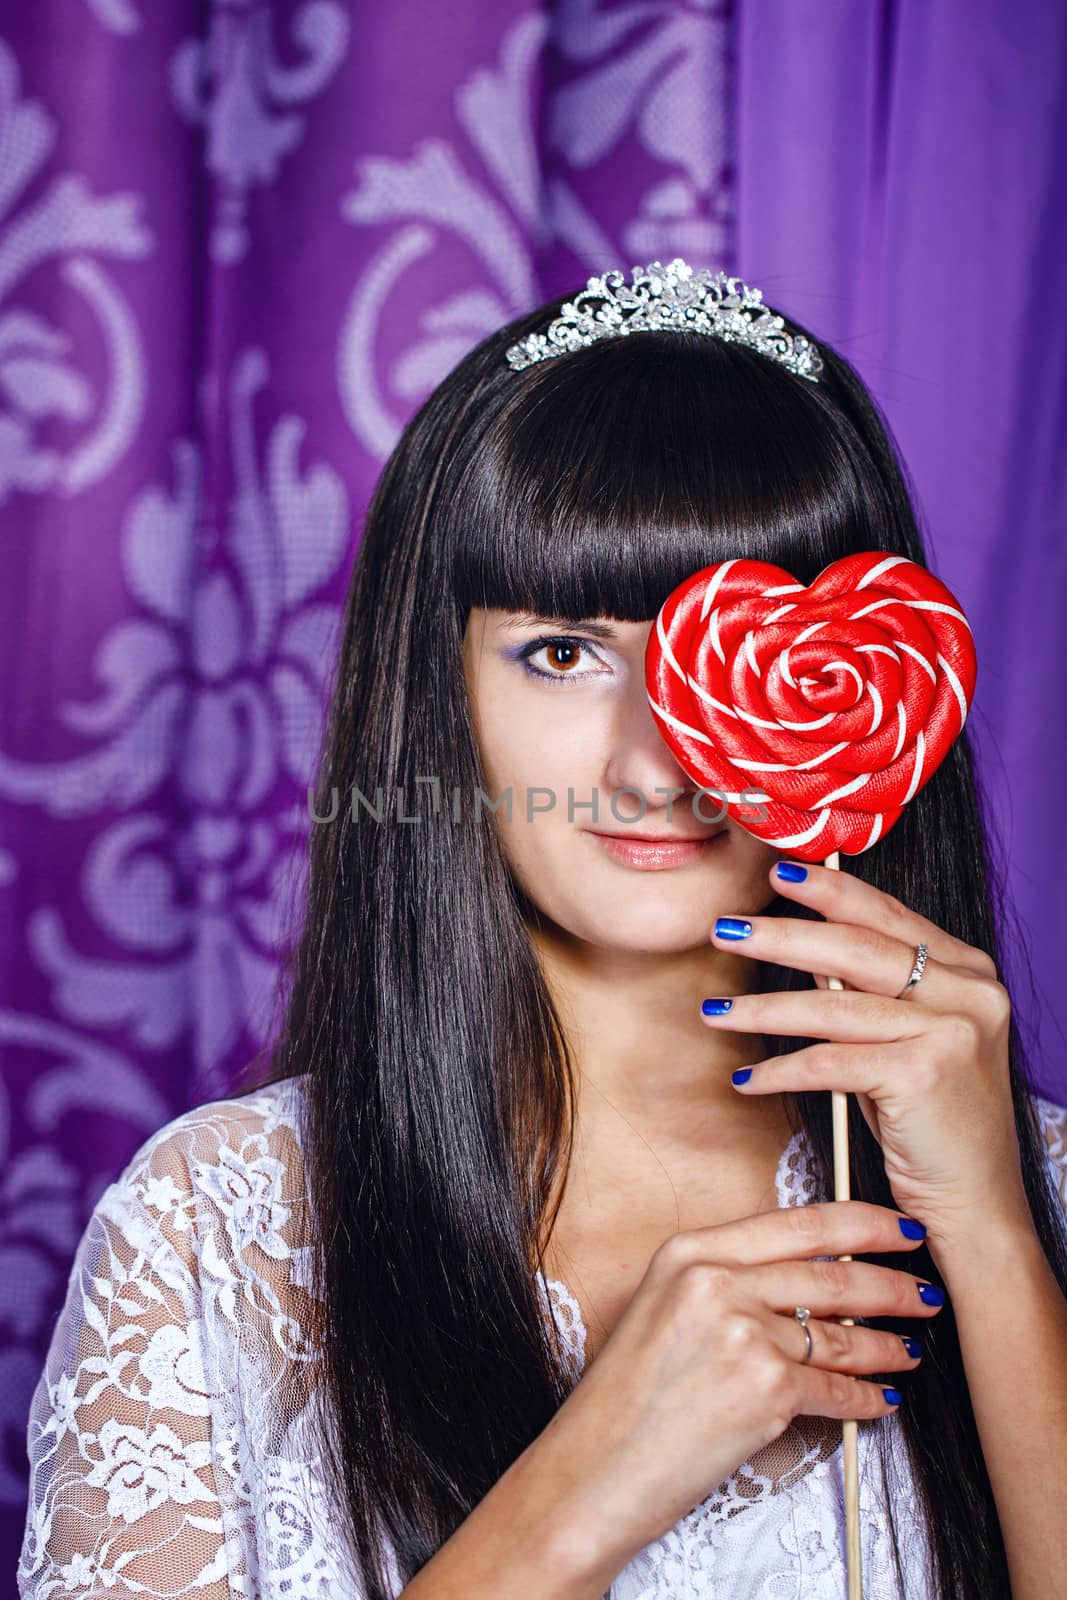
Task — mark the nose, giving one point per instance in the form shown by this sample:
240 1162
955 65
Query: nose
640 760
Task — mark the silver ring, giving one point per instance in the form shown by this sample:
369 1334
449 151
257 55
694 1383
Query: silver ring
802 1314
917 970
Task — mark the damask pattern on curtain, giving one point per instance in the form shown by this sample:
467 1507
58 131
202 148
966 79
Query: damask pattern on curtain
239 243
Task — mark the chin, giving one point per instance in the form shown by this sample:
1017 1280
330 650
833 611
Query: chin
643 925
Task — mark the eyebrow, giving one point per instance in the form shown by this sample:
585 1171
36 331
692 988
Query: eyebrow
530 619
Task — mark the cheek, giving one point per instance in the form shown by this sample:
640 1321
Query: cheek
526 747
758 859
500 742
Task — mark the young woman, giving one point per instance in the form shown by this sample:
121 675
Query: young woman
490 1288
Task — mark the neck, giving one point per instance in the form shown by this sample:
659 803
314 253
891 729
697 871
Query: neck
641 1050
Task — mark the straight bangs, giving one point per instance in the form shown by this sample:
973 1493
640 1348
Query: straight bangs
599 480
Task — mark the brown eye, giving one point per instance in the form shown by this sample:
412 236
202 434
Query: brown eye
567 660
564 656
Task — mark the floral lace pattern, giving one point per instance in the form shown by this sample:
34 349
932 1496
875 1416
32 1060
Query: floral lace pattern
171 1446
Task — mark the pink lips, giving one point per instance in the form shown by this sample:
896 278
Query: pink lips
653 855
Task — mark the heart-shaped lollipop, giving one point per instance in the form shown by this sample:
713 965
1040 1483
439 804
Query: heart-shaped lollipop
826 708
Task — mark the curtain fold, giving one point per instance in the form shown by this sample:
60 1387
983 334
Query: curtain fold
901 186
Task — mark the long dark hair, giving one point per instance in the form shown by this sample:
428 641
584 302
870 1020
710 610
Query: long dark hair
439 1120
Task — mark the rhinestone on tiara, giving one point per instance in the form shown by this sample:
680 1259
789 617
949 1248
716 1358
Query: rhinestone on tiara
673 297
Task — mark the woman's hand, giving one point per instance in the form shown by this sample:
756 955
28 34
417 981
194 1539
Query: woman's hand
929 1072
707 1364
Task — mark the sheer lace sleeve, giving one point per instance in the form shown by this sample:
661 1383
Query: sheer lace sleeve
156 1466
1052 1120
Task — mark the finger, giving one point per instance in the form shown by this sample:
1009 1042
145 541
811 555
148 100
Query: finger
841 897
841 1348
869 961
866 1070
836 1394
842 1014
822 1228
841 1289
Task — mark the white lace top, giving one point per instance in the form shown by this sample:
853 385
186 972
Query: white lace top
162 1466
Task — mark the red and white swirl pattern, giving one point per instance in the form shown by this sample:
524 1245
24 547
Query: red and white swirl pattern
829 706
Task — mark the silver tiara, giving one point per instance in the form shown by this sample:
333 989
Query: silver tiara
674 297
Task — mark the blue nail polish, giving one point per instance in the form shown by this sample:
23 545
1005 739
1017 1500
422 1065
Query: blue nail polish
741 1075
914 1347
715 1008
893 1397
931 1295
791 871
911 1229
732 928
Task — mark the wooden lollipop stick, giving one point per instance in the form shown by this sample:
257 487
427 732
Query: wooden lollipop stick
849 1427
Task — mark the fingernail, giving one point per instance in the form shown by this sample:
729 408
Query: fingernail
893 1397
913 1347
741 1075
732 928
911 1228
791 871
715 1008
931 1295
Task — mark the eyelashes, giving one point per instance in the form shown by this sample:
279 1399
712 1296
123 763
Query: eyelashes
535 646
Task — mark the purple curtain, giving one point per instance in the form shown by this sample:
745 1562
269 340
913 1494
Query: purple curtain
901 187
239 243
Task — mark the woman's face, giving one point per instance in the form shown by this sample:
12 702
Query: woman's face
566 723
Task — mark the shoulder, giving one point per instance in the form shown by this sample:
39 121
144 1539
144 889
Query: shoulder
202 1244
186 1319
1051 1116
221 1186
227 1170
272 1113
1052 1125
259 1132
